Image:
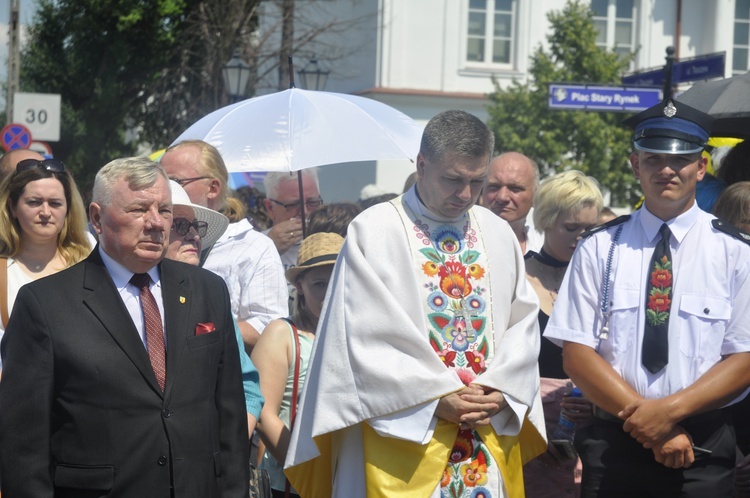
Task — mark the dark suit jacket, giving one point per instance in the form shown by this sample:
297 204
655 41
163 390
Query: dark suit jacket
81 413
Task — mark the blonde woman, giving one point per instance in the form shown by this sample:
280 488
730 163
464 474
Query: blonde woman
42 226
565 206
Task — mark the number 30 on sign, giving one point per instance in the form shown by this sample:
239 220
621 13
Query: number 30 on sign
40 113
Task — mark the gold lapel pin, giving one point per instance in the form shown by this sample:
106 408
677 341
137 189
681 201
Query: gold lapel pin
182 300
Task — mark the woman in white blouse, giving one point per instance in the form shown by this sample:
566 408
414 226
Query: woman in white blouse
42 226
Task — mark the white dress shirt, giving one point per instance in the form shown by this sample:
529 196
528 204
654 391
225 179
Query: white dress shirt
710 310
250 265
131 295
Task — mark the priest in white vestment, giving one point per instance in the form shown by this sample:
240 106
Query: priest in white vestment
423 381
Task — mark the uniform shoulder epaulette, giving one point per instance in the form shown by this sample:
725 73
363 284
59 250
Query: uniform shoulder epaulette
730 229
612 223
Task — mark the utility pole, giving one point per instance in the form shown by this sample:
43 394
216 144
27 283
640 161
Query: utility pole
14 59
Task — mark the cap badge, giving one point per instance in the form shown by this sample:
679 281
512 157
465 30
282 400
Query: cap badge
670 110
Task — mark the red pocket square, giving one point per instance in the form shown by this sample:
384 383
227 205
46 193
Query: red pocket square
204 328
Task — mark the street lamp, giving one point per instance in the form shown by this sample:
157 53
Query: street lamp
236 74
312 76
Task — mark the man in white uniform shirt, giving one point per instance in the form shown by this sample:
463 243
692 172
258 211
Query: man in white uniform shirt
654 320
245 258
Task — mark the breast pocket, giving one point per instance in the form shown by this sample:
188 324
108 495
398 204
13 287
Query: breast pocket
203 340
623 320
705 321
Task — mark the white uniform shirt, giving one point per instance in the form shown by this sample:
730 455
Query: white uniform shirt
249 264
710 310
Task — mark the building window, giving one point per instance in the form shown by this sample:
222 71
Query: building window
741 47
490 32
615 23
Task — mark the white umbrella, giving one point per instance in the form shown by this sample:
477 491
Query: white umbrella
297 129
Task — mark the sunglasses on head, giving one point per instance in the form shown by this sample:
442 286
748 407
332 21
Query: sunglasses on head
53 165
182 226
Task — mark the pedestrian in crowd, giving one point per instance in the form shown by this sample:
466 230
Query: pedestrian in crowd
509 193
735 167
423 377
654 321
283 351
252 199
286 209
121 373
376 199
10 159
247 260
565 206
333 218
606 215
733 207
42 225
193 226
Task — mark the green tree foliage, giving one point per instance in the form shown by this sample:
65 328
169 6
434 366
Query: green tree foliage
593 142
130 71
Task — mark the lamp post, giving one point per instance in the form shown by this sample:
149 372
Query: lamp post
236 74
312 76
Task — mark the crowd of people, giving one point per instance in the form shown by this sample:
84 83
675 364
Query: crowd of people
173 333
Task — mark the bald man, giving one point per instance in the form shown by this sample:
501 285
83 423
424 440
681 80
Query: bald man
512 181
11 158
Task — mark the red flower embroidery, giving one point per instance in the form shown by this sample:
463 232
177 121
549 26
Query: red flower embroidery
476 361
661 278
657 310
447 357
659 301
453 280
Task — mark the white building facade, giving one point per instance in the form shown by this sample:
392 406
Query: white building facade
426 56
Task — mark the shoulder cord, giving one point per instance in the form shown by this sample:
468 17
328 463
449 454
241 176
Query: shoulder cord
604 334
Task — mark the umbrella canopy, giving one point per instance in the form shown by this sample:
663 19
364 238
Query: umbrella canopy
297 129
727 100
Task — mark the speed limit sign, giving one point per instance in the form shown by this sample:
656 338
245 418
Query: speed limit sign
40 113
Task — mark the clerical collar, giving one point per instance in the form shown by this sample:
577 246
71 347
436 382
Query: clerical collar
548 260
420 207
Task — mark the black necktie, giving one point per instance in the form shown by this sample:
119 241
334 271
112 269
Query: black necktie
658 300
154 330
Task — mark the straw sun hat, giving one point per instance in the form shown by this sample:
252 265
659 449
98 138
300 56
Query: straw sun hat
217 222
316 250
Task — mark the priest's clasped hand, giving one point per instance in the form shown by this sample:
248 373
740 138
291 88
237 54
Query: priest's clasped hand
472 406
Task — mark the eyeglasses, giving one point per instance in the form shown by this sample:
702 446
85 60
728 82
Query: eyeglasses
181 226
310 204
53 165
184 181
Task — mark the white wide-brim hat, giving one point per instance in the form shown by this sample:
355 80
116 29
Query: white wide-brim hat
217 222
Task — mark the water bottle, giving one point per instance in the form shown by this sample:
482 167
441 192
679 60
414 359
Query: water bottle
565 428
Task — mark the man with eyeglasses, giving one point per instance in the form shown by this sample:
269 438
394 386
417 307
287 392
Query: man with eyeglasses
285 209
246 259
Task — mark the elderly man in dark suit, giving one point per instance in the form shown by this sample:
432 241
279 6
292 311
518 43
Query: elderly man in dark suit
121 374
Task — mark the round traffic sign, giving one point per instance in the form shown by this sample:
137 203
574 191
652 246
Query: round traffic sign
15 136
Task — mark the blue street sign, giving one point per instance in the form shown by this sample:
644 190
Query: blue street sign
602 98
695 69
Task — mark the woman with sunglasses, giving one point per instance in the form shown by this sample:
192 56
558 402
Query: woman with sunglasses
42 226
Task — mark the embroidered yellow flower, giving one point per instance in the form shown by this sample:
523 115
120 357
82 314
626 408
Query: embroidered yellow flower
430 268
474 473
476 271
